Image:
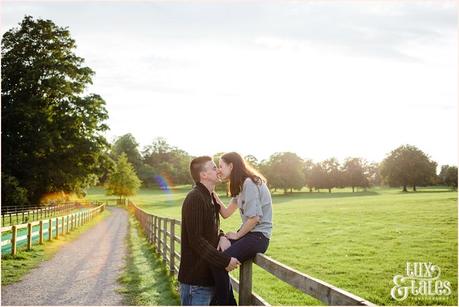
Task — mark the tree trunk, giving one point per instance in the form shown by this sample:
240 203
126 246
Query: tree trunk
329 190
414 188
310 190
352 189
291 190
404 188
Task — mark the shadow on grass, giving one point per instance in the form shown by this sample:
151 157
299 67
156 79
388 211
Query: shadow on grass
426 192
145 280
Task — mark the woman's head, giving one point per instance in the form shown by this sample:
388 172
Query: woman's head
236 170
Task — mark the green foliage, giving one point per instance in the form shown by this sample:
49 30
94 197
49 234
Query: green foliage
128 145
123 181
167 161
407 165
12 193
51 133
448 176
284 171
354 173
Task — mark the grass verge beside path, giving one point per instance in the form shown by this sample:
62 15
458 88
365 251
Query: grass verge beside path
15 267
145 280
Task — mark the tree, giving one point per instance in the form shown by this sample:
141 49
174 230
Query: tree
166 160
252 161
354 173
308 175
12 193
317 177
51 133
407 165
128 145
284 171
123 182
333 176
448 176
373 174
451 177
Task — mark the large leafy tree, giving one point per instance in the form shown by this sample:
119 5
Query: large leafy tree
162 159
333 175
448 176
408 165
355 173
123 181
51 130
127 144
284 171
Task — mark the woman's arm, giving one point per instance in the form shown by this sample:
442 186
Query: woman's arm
226 212
246 227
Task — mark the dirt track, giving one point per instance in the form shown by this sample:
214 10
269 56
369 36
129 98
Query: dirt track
83 272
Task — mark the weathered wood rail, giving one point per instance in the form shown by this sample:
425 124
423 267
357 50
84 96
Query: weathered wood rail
49 227
12 215
162 232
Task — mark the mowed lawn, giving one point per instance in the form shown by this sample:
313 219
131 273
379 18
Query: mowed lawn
355 241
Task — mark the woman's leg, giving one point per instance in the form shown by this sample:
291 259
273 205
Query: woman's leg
243 249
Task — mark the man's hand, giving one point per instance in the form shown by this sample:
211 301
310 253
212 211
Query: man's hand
223 244
234 263
232 235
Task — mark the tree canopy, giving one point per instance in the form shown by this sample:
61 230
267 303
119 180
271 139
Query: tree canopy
408 165
51 131
123 181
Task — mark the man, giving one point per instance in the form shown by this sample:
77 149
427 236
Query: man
200 236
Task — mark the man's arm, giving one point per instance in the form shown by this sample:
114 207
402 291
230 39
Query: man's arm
193 210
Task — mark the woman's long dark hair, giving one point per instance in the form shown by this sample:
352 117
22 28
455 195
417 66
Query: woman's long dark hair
241 171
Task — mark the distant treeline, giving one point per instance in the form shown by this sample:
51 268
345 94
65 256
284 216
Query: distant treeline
403 167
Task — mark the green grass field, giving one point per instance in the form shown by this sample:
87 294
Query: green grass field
355 241
145 281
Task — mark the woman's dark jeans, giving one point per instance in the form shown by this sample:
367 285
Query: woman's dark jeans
243 249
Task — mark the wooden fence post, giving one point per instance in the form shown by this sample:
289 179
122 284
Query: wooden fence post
154 231
165 241
172 250
50 230
63 228
29 236
57 228
13 240
41 232
159 235
245 283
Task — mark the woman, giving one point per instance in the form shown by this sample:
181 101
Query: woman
251 195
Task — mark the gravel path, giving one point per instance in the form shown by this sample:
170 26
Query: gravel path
83 272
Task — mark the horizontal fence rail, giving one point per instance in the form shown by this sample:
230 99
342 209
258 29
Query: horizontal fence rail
16 236
12 215
162 232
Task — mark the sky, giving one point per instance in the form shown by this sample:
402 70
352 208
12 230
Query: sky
319 78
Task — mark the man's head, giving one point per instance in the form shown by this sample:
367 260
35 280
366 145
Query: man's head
203 169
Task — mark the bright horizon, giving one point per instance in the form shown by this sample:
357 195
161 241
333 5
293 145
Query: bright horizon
321 79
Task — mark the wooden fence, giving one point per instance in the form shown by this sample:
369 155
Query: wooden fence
12 215
162 232
62 225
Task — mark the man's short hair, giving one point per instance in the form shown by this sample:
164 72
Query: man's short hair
197 166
